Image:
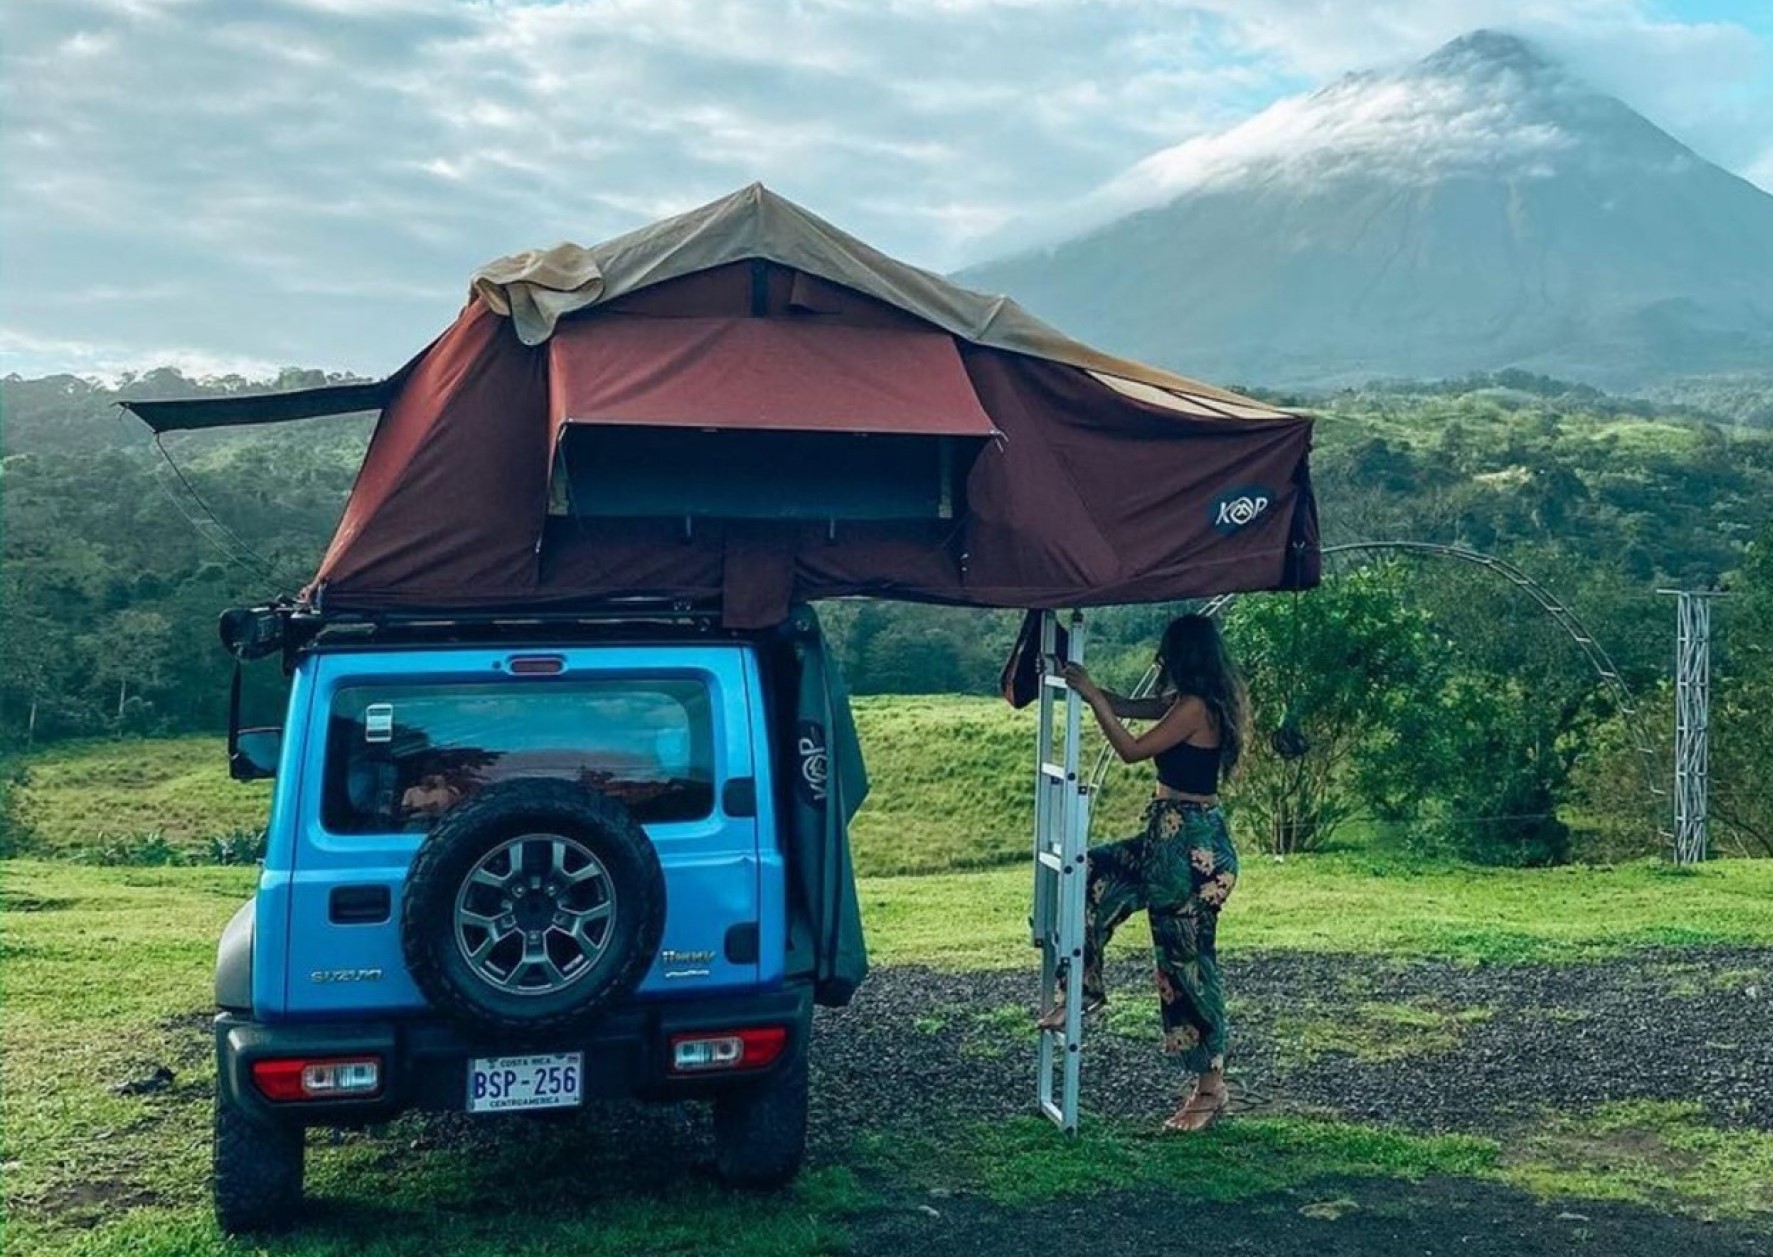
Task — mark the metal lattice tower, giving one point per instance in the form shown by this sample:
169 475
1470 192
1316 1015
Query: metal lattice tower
1692 758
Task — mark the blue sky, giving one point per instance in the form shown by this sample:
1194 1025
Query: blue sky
237 185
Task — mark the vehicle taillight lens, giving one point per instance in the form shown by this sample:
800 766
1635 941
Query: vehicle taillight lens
308 1078
727 1049
537 665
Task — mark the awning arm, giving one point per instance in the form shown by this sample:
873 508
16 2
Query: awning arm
245 410
242 410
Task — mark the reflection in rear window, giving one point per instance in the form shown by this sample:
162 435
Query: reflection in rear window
400 756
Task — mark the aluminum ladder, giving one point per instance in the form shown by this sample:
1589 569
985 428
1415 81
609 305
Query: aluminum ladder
1061 842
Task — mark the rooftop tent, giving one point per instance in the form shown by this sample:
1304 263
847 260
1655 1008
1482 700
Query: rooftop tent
742 405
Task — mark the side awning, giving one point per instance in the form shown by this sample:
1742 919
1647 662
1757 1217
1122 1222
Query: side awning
249 409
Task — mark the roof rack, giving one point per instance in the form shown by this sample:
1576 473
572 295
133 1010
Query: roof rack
288 627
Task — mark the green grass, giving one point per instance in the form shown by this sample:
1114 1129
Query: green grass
1346 904
952 786
1021 1163
1660 1154
106 973
83 796
1373 1033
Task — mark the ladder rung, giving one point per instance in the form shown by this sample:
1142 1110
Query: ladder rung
1054 680
1050 859
1055 771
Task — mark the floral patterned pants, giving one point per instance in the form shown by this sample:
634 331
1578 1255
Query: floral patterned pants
1180 871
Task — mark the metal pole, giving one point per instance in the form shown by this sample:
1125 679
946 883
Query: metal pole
1692 757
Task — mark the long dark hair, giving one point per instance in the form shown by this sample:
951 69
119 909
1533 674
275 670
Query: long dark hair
1194 663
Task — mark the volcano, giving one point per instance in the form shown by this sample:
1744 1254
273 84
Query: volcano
1478 210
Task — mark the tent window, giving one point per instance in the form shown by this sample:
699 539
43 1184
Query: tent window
646 472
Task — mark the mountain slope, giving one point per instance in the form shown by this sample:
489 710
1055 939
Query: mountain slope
1478 210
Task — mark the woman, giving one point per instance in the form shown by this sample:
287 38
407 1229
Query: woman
1182 868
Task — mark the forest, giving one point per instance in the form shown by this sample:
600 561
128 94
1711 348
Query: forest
1445 711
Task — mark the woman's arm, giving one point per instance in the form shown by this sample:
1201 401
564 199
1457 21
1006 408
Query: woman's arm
1178 723
1151 707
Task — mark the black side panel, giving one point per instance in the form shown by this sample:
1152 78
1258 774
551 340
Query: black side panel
248 409
233 962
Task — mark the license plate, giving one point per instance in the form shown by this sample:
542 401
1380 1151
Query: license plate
502 1084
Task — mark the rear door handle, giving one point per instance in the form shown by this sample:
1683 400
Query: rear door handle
739 796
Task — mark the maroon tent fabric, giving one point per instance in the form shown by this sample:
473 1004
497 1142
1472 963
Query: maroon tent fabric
1090 497
761 374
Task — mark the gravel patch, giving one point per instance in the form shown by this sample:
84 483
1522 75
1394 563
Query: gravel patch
1466 1048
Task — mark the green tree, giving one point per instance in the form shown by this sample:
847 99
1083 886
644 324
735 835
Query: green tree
131 650
1742 696
1341 664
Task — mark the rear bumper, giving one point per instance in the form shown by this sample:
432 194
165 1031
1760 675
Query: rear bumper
425 1063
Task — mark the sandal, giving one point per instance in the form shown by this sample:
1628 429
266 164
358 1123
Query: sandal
1199 1111
1054 1017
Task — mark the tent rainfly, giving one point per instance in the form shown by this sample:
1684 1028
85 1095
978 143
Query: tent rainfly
742 406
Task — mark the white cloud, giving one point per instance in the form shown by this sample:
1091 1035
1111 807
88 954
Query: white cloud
319 177
25 354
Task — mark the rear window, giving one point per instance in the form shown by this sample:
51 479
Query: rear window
399 756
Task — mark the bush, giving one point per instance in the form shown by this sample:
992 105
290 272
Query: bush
150 850
17 837
243 846
155 850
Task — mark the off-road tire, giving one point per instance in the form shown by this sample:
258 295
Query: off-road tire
464 836
760 1129
257 1180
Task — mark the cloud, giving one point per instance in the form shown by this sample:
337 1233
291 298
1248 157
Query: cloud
107 363
317 178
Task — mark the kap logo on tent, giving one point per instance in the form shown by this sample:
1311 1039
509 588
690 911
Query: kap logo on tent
1238 508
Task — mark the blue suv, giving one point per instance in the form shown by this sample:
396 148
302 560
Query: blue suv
514 866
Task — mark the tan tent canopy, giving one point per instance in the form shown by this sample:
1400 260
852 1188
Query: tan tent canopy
538 288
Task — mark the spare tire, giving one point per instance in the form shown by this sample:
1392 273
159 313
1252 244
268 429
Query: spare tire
531 907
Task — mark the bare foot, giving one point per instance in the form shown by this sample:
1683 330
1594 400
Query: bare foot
1200 1110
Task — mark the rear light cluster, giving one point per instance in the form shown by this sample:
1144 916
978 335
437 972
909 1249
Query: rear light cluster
537 665
703 1053
310 1078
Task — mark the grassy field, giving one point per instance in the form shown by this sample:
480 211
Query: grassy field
106 973
82 797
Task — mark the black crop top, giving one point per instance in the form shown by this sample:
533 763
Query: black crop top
1189 769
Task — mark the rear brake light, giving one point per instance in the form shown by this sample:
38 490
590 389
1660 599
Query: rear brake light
308 1078
727 1049
537 665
